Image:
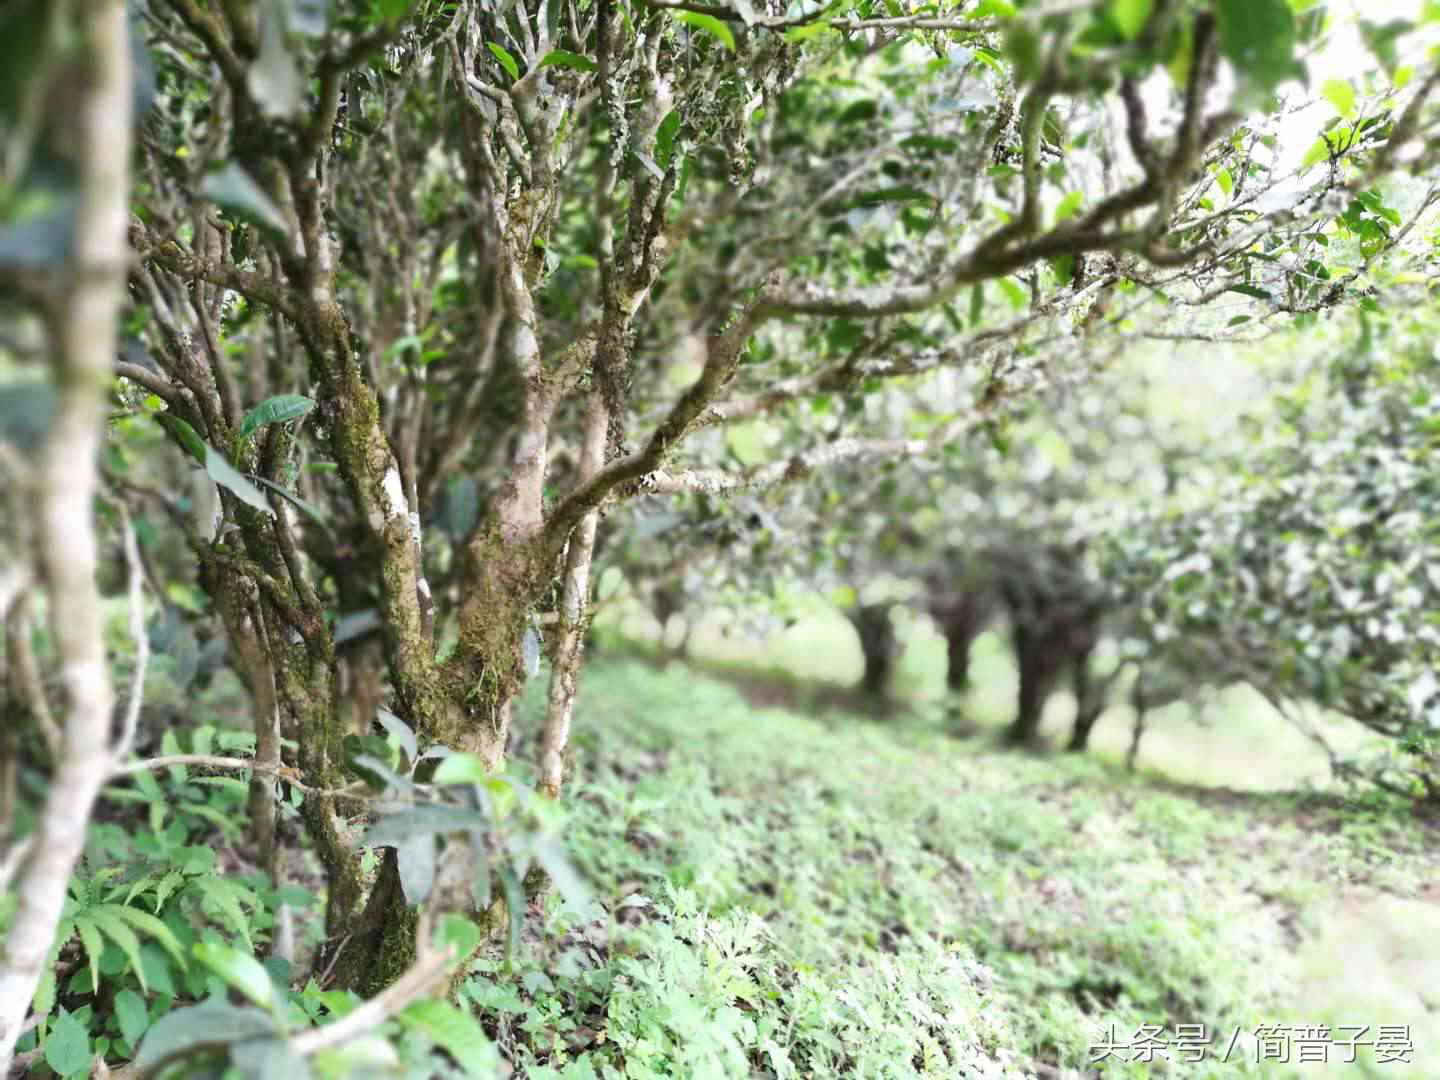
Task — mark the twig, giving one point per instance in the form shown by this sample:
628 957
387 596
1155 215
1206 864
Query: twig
286 772
414 983
14 859
126 739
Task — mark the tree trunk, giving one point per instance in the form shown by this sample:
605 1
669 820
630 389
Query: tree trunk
1089 700
879 646
1150 691
961 618
83 331
1136 734
666 601
1040 663
1080 736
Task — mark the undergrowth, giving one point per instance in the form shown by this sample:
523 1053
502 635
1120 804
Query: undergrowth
792 897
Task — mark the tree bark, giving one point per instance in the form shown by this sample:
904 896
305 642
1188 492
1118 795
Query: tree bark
574 601
961 618
1091 693
83 336
1040 663
879 646
1136 734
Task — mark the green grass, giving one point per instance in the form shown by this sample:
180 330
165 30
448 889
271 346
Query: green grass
792 896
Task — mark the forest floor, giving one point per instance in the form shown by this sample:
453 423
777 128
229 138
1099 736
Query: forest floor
822 894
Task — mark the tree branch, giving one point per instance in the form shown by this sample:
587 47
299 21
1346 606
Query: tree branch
721 359
171 256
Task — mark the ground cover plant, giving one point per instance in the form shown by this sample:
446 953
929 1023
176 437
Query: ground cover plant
842 898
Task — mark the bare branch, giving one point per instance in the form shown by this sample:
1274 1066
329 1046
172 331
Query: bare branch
25 673
570 639
157 384
208 761
126 739
422 977
174 258
721 358
796 467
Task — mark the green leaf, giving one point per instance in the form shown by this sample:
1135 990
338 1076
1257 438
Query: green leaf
400 731
1250 290
1014 292
1068 206
231 188
1341 94
120 933
94 945
1319 151
460 932
901 193
554 860
369 1055
1225 180
1258 37
394 829
212 1023
45 990
309 509
665 139
461 768
457 1032
370 757
562 58
163 888
710 25
184 434
67 1045
230 478
796 34
1129 16
401 345
157 970
391 10
269 1059
240 970
506 60
279 409
133 1016
227 897
415 858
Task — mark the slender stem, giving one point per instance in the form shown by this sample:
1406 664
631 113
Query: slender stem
83 335
570 640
